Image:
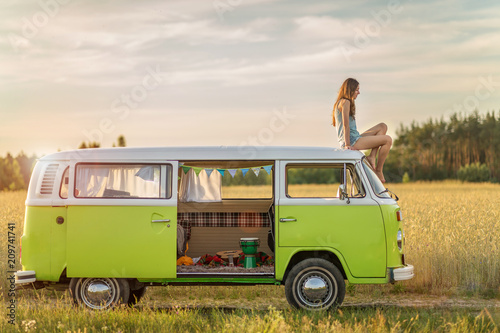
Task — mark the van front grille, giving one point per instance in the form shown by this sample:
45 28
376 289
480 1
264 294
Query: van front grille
49 178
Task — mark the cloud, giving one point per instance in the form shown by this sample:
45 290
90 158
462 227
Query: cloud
279 69
86 44
212 32
323 27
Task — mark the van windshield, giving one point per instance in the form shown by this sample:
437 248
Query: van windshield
377 185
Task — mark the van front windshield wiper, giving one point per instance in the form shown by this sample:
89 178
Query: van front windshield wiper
392 193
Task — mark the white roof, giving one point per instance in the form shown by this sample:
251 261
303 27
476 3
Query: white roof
206 153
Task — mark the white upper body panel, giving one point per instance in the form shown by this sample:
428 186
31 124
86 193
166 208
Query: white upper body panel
46 181
204 153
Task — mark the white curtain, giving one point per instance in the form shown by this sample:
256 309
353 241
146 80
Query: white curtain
131 180
91 181
201 188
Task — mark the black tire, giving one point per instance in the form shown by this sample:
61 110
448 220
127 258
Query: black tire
136 295
315 284
99 293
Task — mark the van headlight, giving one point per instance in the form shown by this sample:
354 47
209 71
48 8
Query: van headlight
400 239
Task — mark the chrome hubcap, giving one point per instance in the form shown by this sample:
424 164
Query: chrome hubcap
316 289
98 293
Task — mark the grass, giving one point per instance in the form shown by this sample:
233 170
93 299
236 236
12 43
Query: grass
58 316
452 239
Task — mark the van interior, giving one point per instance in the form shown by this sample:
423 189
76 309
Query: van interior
225 218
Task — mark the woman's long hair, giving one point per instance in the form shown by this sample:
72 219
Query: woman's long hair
347 91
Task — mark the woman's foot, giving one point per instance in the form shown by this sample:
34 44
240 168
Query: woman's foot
380 175
371 160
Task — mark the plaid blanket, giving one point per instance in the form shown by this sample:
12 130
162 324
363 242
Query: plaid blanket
205 219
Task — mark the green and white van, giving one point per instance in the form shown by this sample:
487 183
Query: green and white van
107 223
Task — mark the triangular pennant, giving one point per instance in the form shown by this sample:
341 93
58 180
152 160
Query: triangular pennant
221 171
232 172
244 171
256 171
268 168
209 172
185 169
197 171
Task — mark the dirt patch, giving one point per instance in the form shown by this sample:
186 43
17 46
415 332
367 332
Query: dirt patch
421 301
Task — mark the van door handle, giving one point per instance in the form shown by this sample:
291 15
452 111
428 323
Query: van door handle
288 220
160 221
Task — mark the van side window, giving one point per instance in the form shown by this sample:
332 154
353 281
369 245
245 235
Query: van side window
321 181
63 191
123 181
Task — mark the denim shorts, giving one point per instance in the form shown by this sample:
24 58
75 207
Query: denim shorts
354 138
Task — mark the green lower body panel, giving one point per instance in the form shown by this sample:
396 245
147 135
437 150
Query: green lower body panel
44 242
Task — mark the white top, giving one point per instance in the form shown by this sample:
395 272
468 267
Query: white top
45 184
204 153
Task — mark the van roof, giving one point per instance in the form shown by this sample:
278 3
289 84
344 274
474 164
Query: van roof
205 153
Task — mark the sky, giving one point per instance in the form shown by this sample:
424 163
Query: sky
236 72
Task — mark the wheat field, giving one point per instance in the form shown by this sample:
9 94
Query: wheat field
452 233
452 238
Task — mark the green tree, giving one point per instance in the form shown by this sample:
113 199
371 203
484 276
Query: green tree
10 174
474 173
121 141
437 149
84 145
26 165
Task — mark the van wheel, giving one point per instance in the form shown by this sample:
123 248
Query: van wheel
315 284
99 293
136 295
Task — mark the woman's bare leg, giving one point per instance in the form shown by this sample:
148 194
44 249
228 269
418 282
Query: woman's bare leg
382 143
379 129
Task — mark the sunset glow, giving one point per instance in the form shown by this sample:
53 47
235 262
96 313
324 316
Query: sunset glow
170 73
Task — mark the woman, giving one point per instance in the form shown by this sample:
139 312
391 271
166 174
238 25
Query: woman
344 111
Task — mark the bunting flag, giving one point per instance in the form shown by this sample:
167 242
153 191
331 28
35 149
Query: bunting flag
268 168
232 172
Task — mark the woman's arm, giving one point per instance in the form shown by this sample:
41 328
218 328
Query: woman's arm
345 108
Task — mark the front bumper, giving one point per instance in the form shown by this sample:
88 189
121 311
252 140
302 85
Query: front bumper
401 273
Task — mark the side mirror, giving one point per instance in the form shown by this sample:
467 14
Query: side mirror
342 193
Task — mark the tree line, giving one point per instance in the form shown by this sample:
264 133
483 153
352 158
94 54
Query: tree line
439 149
15 172
466 144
